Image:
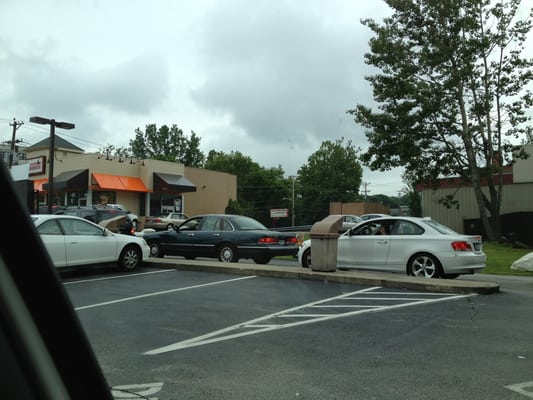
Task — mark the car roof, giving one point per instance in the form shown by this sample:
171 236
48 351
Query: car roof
220 215
396 217
44 217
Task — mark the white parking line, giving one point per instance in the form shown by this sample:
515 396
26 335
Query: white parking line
278 320
525 388
161 292
118 276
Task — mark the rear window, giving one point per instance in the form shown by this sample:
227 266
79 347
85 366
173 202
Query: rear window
438 227
95 214
107 214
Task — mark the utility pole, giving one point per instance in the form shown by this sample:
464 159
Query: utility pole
16 124
366 190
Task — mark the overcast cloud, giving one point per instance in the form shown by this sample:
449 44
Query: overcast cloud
272 79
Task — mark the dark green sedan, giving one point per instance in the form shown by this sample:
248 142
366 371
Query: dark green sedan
225 237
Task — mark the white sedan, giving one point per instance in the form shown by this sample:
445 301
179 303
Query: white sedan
73 241
411 245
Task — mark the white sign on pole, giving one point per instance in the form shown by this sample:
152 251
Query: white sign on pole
279 212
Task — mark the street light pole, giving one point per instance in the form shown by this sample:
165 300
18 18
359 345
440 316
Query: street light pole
53 123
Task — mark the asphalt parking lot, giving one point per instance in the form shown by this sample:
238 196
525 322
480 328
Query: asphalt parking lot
169 333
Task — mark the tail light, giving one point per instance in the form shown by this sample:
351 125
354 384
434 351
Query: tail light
461 246
274 240
268 240
292 240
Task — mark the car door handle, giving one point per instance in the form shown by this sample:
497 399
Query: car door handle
216 235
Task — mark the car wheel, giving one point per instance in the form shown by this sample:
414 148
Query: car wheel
155 249
262 259
306 259
170 227
130 258
424 265
228 253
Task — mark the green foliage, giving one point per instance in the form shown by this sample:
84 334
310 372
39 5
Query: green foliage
332 173
110 151
167 144
233 207
411 195
259 189
452 94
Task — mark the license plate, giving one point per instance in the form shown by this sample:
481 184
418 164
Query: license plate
476 246
281 242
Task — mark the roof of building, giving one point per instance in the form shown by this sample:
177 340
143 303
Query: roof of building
60 143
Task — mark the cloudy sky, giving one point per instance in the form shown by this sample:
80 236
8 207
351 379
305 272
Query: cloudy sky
272 79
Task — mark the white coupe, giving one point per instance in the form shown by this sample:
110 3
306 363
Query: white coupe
411 245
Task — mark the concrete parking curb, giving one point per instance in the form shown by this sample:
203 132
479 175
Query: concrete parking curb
349 277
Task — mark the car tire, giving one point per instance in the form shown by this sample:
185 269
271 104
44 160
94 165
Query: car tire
306 258
227 253
262 259
130 258
155 249
424 265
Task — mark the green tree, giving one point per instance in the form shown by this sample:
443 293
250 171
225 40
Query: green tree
259 189
452 94
167 144
332 173
411 194
111 152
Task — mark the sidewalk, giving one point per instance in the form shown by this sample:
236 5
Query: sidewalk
458 285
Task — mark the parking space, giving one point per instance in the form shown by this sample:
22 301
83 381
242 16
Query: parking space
170 334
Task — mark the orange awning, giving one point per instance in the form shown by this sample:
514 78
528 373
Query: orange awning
118 182
38 184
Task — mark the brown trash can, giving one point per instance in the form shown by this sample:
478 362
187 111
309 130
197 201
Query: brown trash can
324 237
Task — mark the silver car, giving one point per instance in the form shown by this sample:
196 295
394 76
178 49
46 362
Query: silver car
411 245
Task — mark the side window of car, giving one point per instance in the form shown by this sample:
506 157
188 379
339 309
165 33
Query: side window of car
82 228
49 228
365 230
408 228
209 224
68 227
191 225
225 225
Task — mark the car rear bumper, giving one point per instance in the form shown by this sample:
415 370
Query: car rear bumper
464 263
271 251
